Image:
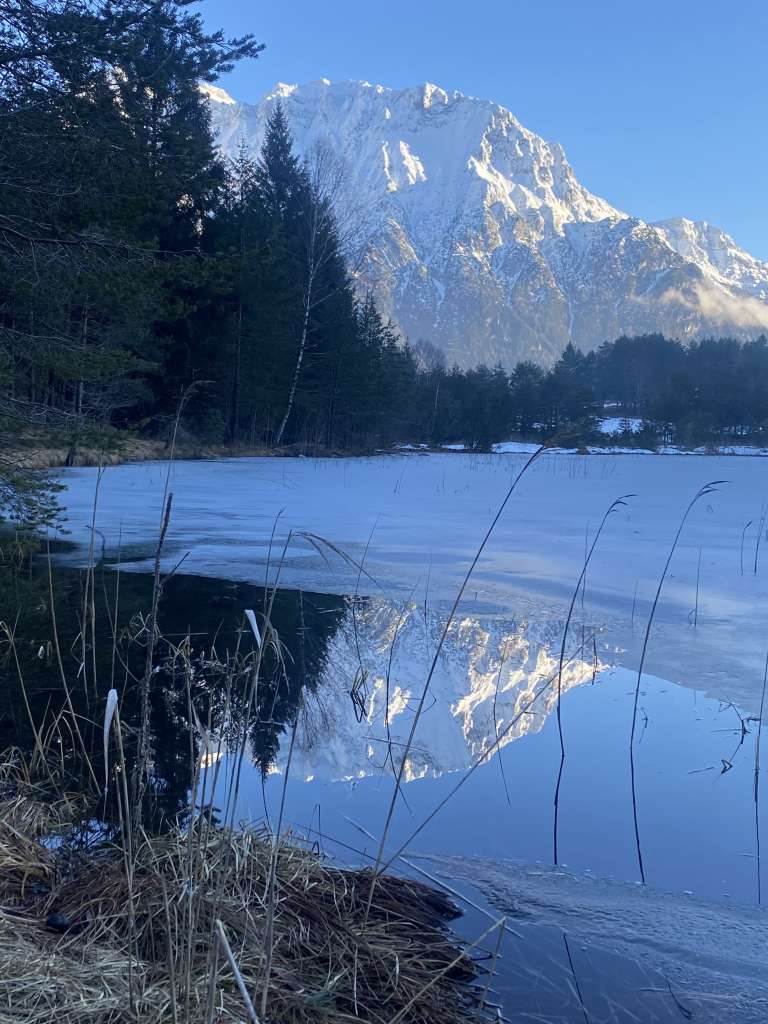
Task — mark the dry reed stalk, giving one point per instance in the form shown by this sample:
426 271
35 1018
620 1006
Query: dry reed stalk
10 636
89 600
62 673
236 971
707 489
494 960
140 769
618 503
741 550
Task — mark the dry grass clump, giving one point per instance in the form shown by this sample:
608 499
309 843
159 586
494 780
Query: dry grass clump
26 816
139 939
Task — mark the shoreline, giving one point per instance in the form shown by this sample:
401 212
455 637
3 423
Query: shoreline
52 457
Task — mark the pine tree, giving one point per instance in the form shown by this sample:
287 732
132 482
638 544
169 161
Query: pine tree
280 177
300 199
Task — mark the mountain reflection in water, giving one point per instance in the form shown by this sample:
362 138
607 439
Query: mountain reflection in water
495 681
354 669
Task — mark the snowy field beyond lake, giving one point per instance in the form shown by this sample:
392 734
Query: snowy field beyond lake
417 520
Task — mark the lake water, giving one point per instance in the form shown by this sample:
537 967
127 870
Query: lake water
369 554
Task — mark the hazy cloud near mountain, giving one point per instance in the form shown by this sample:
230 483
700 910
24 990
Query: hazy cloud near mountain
721 307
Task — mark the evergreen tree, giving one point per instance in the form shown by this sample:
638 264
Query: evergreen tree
280 177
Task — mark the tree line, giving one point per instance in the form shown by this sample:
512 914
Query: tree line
713 391
139 267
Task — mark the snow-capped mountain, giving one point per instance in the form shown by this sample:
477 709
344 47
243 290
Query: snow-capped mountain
479 238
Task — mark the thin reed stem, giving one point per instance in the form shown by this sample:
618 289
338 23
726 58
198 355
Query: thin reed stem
63 675
422 699
757 783
480 760
707 489
741 551
618 503
252 1016
401 1014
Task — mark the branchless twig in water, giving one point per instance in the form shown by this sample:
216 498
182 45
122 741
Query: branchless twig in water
709 488
618 503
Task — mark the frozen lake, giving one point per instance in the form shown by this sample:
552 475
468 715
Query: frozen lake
413 523
416 522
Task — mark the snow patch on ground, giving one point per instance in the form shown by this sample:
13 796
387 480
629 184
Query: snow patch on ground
620 425
529 447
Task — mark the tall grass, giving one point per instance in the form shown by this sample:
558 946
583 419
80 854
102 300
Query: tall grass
210 921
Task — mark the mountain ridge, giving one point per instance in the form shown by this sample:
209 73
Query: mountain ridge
480 239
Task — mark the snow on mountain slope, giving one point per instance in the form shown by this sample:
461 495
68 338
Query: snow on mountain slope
716 254
480 239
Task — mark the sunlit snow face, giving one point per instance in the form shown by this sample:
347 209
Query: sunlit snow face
480 238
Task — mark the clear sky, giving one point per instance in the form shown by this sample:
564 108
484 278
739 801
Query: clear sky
661 105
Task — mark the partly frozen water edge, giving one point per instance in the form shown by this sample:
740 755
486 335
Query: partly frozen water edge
637 954
416 521
692 942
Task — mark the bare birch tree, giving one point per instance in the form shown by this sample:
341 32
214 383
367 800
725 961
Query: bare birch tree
329 232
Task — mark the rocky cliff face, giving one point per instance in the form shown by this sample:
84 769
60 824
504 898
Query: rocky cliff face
477 236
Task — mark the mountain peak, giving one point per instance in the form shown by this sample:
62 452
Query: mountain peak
716 254
216 94
481 239
434 94
282 90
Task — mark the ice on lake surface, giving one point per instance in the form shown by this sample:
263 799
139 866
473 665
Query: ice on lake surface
414 522
417 520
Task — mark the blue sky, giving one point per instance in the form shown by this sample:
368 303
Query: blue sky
662 107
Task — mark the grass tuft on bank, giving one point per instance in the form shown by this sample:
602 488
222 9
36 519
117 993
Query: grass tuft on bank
177 932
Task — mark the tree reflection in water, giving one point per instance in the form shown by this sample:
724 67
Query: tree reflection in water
205 657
